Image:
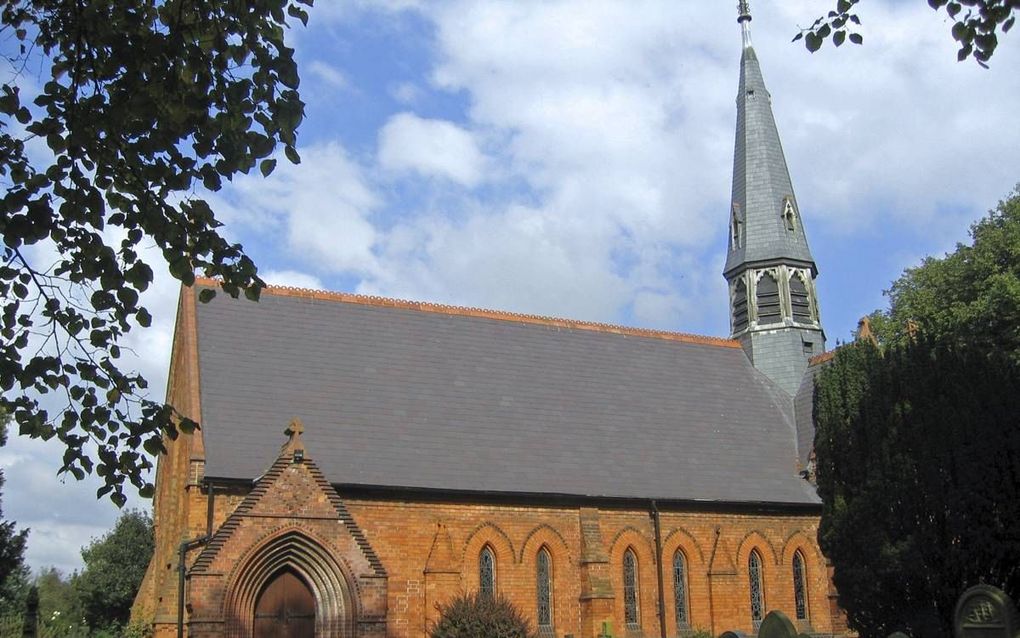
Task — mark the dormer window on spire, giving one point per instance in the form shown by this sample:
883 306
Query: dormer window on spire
789 215
736 227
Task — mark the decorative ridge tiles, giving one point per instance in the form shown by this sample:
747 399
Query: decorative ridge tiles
821 358
482 313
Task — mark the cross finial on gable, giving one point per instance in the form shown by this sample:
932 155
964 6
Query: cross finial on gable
296 428
294 443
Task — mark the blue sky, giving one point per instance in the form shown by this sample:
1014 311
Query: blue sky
574 158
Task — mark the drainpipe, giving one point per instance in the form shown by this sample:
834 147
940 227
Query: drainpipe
182 552
658 561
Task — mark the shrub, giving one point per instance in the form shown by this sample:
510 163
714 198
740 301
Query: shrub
480 615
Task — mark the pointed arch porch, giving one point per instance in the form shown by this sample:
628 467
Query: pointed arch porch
336 601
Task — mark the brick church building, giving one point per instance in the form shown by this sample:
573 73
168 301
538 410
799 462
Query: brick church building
361 460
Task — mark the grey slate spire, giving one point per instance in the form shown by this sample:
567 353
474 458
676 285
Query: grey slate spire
769 266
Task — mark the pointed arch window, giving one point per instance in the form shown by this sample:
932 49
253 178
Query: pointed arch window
487 572
543 588
680 591
770 308
800 586
630 589
754 574
739 306
789 215
800 299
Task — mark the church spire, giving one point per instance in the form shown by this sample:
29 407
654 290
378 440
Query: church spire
770 269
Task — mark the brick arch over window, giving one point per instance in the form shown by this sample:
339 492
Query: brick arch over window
643 548
680 540
765 547
564 589
491 536
680 537
545 535
633 536
335 602
816 573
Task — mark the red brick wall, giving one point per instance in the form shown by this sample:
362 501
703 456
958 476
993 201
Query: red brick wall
430 552
402 533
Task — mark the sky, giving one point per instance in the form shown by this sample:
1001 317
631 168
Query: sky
574 158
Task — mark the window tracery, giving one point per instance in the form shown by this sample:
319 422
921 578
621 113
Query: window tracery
680 590
800 586
543 588
487 572
754 573
630 589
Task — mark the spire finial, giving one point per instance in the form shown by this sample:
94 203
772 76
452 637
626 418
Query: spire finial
745 12
744 18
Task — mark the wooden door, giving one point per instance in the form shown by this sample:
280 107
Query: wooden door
285 608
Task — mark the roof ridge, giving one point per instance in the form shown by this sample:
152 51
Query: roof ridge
484 313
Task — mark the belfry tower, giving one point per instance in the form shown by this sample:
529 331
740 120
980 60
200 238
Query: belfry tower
769 267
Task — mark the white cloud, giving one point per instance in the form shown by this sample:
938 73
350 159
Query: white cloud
328 74
292 278
322 207
406 92
431 148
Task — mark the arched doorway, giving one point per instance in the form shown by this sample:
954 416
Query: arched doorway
313 575
285 608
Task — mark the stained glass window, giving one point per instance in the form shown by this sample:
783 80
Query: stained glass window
630 590
487 572
757 599
680 590
544 590
799 586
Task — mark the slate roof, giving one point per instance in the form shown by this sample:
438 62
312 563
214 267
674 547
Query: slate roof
761 179
399 395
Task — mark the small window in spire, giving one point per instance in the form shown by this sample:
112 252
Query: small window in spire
736 228
789 215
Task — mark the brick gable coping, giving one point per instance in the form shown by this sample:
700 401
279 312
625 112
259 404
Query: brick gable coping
482 313
223 534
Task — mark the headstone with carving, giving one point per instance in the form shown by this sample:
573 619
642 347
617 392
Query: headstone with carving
777 625
984 611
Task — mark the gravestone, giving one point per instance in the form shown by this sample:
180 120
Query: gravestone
984 611
733 634
898 634
777 625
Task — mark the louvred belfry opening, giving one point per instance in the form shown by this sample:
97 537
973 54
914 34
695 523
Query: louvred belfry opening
285 608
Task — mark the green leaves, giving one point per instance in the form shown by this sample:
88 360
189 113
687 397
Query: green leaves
975 24
146 105
925 430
